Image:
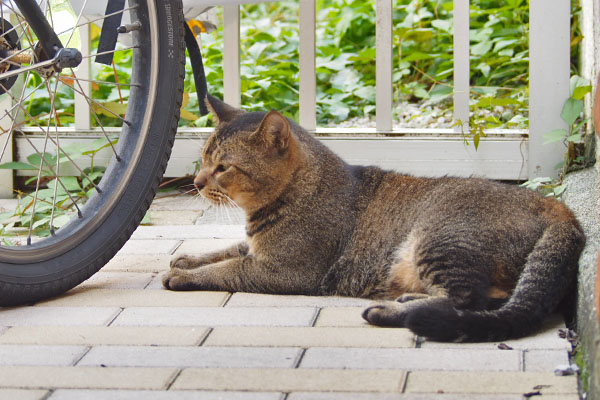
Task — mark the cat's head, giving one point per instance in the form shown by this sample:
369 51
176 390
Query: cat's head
249 158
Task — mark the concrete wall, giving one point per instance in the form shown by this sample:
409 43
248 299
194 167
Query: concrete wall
587 323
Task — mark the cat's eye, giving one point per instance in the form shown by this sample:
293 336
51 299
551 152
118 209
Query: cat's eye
220 168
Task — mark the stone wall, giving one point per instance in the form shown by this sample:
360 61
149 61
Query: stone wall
584 198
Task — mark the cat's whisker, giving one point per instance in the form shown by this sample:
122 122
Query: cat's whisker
226 209
237 211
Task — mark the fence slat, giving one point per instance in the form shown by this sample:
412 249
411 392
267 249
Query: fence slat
383 43
82 109
308 79
6 175
461 64
231 55
549 69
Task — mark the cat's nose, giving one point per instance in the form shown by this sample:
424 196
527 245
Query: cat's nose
198 184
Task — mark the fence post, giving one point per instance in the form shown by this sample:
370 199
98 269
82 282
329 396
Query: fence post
82 109
549 69
383 74
6 175
231 55
308 78
461 64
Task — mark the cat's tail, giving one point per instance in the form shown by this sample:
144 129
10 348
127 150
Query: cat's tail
548 276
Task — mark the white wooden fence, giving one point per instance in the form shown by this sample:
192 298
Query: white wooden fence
504 154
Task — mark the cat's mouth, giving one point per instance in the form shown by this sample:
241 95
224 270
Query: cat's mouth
217 197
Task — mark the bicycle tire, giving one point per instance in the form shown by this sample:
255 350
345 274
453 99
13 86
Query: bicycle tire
78 250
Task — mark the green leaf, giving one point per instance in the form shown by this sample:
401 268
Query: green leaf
481 48
580 92
576 137
571 110
442 24
35 159
494 102
555 135
366 92
575 82
476 141
18 165
147 220
61 220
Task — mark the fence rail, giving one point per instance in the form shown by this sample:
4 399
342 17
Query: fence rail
513 155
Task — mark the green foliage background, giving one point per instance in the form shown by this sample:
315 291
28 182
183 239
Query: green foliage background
423 66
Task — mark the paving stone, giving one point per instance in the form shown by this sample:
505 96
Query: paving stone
490 382
183 357
200 246
85 377
419 396
22 394
117 280
545 360
309 337
206 316
344 396
399 396
58 316
149 247
107 335
342 316
180 232
169 217
547 338
74 394
413 359
153 263
156 283
270 300
40 355
289 380
137 298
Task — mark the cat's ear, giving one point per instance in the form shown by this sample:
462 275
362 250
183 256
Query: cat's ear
220 110
274 130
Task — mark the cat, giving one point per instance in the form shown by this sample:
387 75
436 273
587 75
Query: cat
451 259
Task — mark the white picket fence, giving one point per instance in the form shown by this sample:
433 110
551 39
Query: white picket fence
504 154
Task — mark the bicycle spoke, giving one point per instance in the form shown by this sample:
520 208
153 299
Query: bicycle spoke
98 19
59 149
66 44
104 82
110 51
37 183
26 97
53 107
87 99
13 120
81 92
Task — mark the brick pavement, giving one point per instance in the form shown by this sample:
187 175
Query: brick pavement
119 335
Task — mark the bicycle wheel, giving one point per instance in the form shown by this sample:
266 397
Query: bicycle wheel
78 213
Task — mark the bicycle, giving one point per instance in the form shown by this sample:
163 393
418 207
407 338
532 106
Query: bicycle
91 231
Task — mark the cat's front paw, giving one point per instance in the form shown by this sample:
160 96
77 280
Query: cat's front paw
177 280
186 262
385 313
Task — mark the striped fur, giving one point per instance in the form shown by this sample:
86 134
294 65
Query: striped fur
451 259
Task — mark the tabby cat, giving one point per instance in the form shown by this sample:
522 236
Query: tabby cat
452 259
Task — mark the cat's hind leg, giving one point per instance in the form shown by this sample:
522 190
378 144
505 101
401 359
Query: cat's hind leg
394 313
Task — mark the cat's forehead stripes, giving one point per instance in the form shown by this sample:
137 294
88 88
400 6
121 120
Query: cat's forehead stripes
209 146
247 122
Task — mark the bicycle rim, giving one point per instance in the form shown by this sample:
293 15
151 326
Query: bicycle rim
86 214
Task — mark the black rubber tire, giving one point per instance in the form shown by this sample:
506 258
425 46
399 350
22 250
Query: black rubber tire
108 219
